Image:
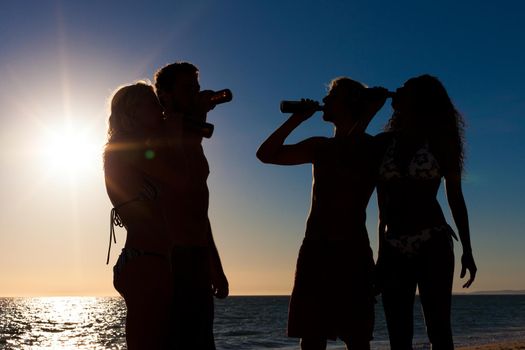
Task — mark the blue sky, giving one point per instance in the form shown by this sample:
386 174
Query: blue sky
60 60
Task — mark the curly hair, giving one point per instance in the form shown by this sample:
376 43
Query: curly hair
121 122
123 103
433 116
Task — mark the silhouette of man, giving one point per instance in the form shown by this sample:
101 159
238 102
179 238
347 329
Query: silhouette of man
198 275
333 293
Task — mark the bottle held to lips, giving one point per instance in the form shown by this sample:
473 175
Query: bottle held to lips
221 96
205 128
299 106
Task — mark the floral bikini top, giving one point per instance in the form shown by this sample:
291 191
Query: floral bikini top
422 166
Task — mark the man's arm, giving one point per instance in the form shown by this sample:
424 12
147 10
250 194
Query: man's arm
220 286
274 151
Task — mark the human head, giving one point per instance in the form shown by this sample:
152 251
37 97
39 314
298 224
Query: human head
423 108
344 100
422 102
177 86
133 109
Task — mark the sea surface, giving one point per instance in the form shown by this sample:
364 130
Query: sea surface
241 323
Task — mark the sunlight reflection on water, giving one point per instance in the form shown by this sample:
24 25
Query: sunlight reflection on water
247 323
62 323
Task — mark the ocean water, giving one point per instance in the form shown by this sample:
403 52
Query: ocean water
241 323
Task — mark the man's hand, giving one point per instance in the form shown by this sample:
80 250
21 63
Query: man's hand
204 104
311 107
220 287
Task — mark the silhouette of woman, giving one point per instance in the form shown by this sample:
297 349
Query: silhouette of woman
423 143
133 174
332 295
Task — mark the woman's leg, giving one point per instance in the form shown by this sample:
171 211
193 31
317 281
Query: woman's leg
146 285
435 289
399 289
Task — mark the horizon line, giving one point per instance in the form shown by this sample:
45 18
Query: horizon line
58 295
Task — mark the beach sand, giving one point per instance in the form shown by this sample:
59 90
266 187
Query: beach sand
511 345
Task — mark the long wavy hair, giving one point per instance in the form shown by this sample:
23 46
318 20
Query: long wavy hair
124 102
431 115
122 123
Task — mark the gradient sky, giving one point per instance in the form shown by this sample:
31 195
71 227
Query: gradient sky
60 61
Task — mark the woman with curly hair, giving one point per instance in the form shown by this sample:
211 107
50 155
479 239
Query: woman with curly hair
423 144
135 175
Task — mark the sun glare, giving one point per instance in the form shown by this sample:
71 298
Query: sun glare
70 150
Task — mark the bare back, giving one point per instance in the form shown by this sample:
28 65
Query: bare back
136 196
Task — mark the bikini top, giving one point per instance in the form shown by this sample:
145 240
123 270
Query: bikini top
422 166
148 191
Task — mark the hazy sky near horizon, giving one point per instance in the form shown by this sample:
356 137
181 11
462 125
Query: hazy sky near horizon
60 61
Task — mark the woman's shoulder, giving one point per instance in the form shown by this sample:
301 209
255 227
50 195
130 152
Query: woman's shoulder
383 139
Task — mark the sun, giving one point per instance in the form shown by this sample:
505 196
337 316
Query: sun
70 150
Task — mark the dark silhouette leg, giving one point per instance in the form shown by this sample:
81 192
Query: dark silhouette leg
145 284
313 343
354 343
193 305
399 289
435 289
